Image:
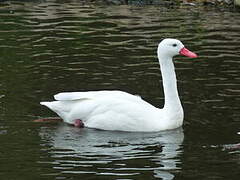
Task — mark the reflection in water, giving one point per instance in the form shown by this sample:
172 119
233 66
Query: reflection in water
106 152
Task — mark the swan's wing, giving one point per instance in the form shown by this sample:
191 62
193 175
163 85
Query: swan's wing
108 113
109 110
70 96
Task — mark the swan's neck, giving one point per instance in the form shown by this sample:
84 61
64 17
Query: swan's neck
172 101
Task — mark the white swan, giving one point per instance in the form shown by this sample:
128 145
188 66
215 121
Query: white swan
117 110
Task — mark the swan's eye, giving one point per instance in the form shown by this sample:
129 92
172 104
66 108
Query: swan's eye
174 45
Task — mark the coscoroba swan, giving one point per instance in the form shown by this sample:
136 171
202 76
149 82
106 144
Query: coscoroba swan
117 110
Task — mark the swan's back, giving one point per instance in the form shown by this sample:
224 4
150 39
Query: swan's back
69 96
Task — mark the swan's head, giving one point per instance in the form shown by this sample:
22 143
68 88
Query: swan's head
172 47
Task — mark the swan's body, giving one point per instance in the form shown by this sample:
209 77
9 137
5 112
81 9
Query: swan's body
117 110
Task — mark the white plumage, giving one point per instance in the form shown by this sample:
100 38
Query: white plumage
117 110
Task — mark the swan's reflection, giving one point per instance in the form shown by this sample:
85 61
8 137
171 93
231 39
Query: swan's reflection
79 150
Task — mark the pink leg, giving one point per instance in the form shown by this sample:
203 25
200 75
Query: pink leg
50 119
78 123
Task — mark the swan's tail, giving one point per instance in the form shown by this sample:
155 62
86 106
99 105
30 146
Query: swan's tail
61 108
48 104
55 106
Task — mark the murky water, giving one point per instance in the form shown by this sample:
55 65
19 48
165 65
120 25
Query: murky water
52 46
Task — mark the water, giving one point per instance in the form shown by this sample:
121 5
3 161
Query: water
52 46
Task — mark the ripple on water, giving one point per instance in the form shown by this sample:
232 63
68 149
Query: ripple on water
3 130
